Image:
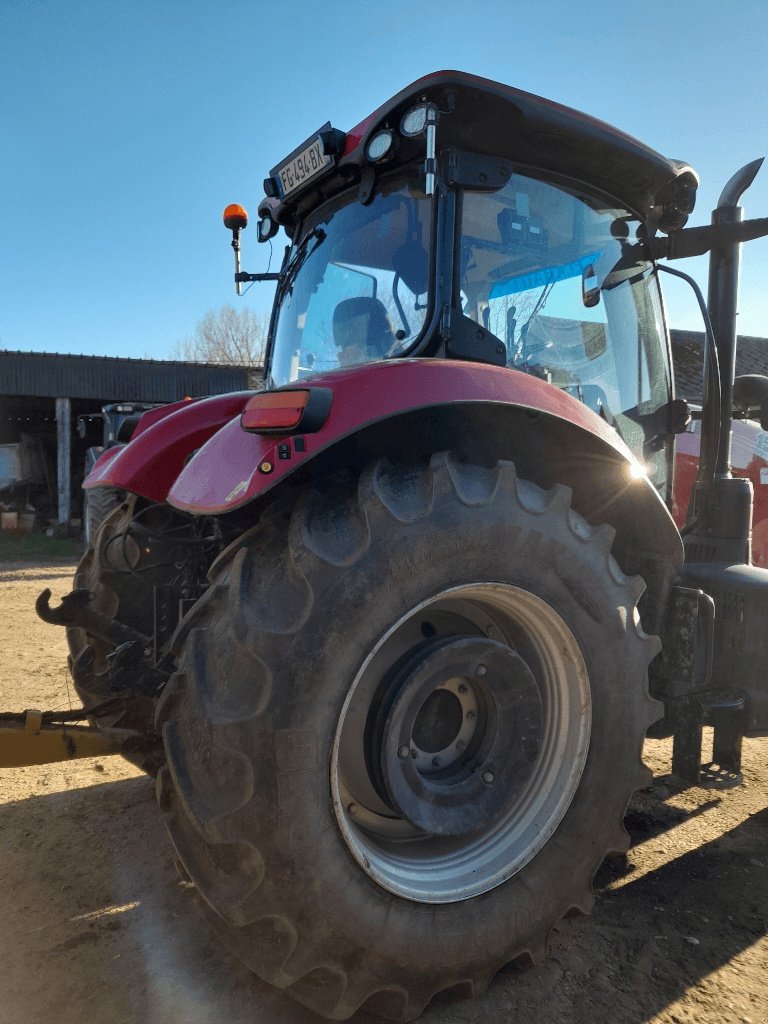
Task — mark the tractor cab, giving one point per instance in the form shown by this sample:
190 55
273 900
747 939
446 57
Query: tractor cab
467 220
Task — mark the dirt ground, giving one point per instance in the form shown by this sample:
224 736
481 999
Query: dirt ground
96 927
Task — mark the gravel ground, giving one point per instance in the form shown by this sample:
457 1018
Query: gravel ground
97 926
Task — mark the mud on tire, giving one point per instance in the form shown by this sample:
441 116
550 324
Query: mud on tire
310 654
117 595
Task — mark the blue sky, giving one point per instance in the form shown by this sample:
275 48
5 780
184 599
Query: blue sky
126 127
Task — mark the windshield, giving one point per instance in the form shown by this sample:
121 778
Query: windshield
355 288
541 268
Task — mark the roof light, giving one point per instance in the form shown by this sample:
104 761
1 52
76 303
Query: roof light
267 227
379 145
414 121
285 412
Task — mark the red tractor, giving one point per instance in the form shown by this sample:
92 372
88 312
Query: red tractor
392 631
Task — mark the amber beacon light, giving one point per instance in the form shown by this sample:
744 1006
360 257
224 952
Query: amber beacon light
235 218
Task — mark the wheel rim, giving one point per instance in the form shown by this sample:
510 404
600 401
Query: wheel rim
461 742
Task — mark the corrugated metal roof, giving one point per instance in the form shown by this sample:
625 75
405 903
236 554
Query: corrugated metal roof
107 378
110 379
688 358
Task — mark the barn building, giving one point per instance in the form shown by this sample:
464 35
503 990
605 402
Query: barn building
42 397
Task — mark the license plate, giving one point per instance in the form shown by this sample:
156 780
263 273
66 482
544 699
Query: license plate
301 168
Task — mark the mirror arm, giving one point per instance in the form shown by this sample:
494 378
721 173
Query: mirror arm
698 241
241 277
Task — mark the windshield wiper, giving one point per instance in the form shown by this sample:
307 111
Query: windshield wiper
303 252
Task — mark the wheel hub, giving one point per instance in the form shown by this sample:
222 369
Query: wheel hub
447 763
445 726
489 680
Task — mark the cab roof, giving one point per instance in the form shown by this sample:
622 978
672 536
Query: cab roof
481 116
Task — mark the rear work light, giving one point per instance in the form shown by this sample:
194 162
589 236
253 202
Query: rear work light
287 412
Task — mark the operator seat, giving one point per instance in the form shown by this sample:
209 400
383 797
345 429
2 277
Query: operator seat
361 330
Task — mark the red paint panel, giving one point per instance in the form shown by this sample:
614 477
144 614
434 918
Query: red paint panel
356 134
148 419
749 458
105 459
152 416
157 452
225 473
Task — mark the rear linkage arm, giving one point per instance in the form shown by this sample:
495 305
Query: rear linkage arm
74 611
128 671
129 667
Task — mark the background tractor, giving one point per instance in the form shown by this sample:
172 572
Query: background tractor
392 631
118 421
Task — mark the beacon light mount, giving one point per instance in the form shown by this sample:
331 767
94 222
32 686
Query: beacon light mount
235 220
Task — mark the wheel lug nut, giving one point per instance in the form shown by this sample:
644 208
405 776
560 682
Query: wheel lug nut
404 751
352 808
461 745
488 777
480 670
462 688
436 762
471 716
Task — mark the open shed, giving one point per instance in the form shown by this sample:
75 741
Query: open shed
42 395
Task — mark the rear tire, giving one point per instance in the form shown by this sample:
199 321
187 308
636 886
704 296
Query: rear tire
120 596
327 871
98 503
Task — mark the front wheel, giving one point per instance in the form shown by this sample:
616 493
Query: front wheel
404 732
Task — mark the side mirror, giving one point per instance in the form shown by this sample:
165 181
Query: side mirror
750 397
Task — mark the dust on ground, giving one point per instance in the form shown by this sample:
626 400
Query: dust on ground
97 927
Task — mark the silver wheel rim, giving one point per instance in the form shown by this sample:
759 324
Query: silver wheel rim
429 868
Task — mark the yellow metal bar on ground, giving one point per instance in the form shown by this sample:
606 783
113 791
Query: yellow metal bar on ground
27 740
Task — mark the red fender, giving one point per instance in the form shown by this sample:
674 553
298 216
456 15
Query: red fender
161 444
96 477
235 467
152 416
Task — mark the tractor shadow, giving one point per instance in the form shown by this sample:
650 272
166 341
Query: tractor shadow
31 572
92 904
653 939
